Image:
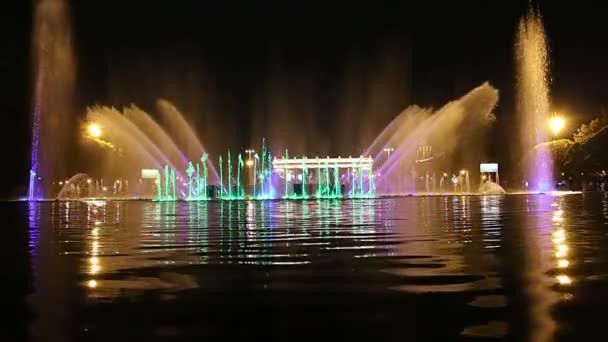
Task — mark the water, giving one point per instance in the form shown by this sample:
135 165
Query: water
532 59
529 267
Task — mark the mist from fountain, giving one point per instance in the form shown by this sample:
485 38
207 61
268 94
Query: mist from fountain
183 134
443 127
131 141
136 142
533 101
156 134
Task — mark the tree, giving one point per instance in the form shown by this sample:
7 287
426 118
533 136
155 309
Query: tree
584 153
587 131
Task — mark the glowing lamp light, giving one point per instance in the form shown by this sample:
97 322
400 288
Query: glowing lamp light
557 124
94 130
249 162
564 280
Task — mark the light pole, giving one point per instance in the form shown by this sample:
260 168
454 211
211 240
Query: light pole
388 151
465 175
251 172
249 153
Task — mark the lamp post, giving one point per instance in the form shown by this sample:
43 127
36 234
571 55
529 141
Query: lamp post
388 151
251 167
465 175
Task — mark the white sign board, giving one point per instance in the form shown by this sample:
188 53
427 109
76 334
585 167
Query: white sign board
149 173
491 167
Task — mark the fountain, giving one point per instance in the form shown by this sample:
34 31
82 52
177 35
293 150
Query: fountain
54 75
491 188
136 141
444 127
74 186
533 101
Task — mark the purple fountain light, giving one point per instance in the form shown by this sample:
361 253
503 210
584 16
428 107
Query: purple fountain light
32 195
533 102
53 66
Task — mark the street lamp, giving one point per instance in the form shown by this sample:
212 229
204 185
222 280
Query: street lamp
557 123
465 175
249 161
94 130
388 151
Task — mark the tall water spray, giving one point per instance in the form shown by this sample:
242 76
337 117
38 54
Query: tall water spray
533 101
54 75
445 128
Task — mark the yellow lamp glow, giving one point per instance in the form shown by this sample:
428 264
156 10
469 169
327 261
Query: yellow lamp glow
94 130
563 279
557 124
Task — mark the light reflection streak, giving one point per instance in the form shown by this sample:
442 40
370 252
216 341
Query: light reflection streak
537 228
96 216
558 237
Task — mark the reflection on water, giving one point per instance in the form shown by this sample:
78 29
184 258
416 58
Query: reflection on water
490 266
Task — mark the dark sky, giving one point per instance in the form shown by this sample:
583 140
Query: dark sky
303 74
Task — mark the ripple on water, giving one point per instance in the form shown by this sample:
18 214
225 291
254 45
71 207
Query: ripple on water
468 266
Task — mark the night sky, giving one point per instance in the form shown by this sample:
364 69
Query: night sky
311 77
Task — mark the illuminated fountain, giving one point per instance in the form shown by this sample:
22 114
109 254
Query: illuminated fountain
54 75
166 149
232 188
136 142
533 102
263 187
445 127
268 177
330 177
143 144
228 186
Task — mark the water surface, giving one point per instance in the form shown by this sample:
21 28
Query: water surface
525 267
